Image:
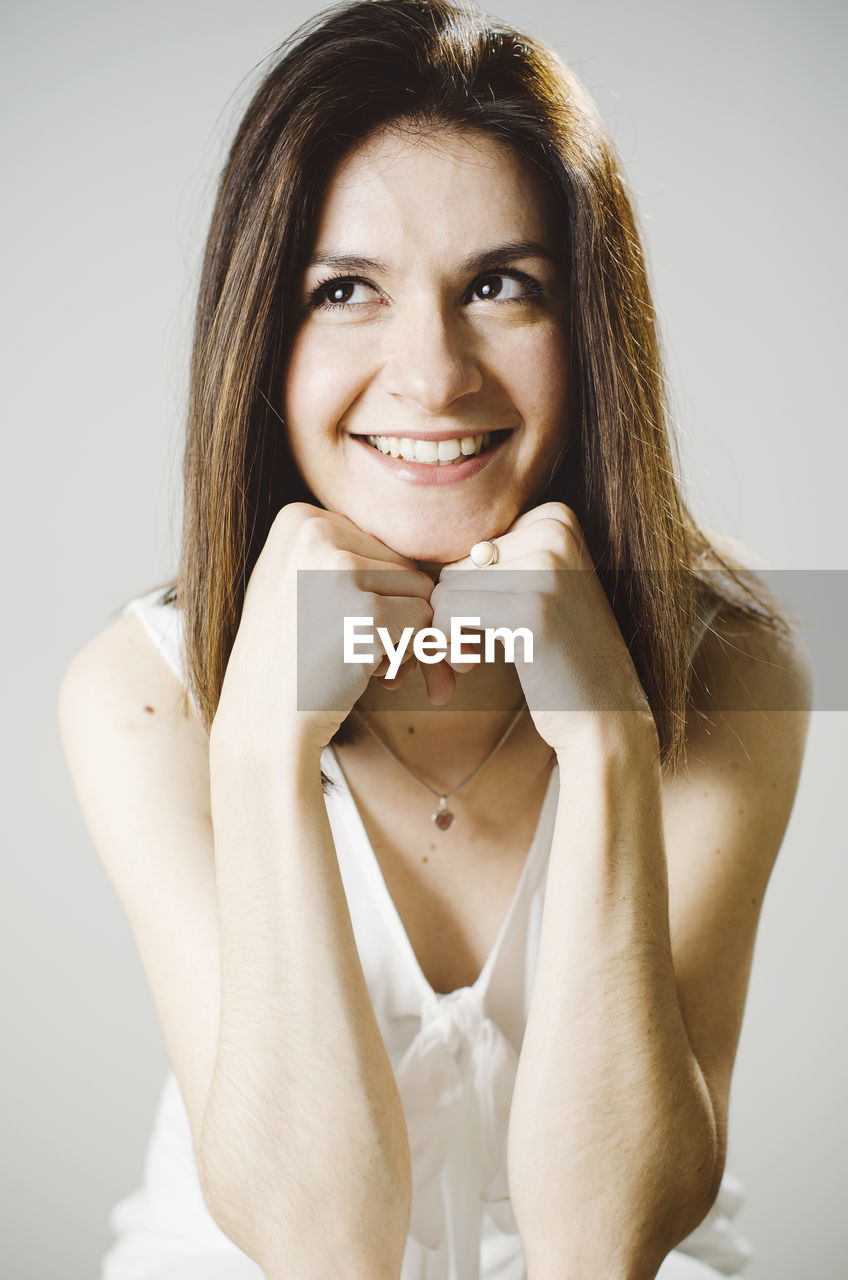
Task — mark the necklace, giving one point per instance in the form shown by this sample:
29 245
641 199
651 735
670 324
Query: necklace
443 817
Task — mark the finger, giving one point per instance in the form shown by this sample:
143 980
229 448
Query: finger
467 563
490 608
511 546
371 543
469 644
540 548
347 534
546 511
556 513
381 631
440 681
398 680
371 575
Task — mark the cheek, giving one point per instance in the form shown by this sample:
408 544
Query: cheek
319 386
539 381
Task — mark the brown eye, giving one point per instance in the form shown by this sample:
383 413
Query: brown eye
490 287
505 286
341 292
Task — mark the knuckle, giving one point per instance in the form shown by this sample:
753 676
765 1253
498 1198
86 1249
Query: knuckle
341 559
564 517
311 534
560 511
372 605
422 613
291 515
547 562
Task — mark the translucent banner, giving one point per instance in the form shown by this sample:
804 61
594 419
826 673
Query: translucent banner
554 627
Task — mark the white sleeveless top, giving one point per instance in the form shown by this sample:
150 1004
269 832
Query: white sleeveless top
454 1057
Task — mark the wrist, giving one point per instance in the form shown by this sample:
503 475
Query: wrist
238 755
628 736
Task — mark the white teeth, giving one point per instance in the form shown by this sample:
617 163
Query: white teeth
431 452
426 451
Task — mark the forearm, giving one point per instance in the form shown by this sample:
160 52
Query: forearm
304 1143
613 1151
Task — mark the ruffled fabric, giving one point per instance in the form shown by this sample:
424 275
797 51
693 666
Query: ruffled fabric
456 1081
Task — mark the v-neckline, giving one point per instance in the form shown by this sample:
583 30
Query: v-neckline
371 864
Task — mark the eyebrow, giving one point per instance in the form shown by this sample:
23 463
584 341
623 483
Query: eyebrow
485 261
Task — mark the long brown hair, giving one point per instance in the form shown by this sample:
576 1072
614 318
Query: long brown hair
434 64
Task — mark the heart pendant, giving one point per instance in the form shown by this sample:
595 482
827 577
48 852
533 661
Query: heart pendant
443 818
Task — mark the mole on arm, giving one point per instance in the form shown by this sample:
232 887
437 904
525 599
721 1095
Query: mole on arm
150 710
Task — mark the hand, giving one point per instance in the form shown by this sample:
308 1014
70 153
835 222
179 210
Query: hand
259 698
580 661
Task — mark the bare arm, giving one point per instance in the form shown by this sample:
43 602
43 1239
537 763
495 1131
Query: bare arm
612 1135
618 1128
222 855
304 1155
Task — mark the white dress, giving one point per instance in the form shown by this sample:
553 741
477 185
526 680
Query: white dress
454 1057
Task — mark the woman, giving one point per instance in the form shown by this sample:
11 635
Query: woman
450 965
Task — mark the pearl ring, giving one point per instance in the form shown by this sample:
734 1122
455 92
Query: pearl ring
484 554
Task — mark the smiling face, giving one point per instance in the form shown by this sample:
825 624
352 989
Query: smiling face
433 326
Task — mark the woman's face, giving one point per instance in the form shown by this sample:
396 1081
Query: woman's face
434 312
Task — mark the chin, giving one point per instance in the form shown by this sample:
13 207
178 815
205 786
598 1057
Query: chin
433 540
423 551
430 547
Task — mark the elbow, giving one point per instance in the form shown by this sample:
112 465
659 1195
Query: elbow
689 1193
242 1189
709 1146
289 1220
230 1198
699 1132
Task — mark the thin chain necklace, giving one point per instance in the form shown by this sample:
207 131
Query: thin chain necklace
443 817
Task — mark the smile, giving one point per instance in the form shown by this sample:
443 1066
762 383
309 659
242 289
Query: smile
433 453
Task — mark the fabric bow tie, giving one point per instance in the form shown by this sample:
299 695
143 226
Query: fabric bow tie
456 1081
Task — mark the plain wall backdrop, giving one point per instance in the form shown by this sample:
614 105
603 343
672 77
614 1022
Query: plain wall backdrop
730 118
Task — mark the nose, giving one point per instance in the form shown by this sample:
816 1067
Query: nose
430 362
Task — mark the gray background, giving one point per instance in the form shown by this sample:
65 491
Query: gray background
731 120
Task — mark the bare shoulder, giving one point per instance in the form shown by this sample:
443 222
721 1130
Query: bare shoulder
139 762
120 676
751 695
130 733
749 712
